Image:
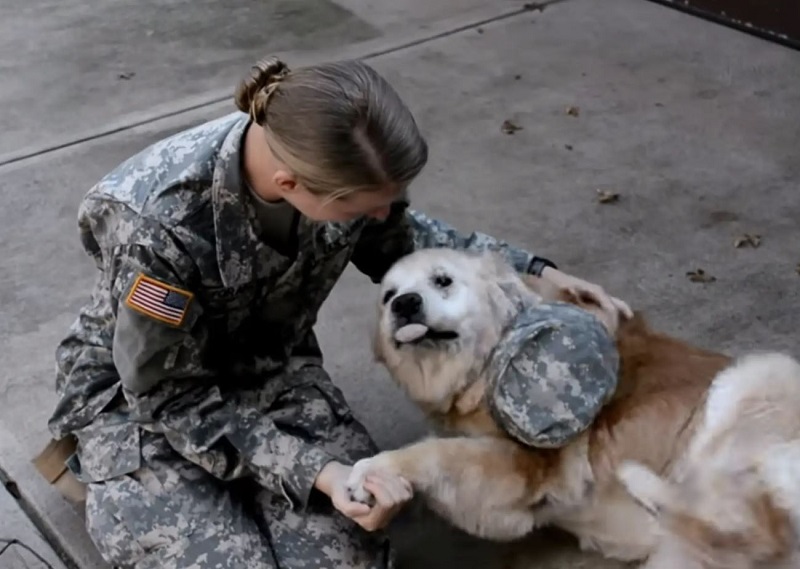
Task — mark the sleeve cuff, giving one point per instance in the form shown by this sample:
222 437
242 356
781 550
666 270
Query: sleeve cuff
298 480
538 264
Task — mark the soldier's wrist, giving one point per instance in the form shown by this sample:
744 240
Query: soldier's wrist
539 265
327 476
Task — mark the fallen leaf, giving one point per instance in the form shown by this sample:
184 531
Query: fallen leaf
508 127
573 111
604 196
747 239
540 6
568 146
700 276
126 75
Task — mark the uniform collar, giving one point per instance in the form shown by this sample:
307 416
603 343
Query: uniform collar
235 236
237 244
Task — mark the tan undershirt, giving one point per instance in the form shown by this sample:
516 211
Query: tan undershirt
277 222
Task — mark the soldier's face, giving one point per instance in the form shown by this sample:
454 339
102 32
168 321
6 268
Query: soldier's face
376 205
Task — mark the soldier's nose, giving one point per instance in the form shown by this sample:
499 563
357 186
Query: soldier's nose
380 213
407 305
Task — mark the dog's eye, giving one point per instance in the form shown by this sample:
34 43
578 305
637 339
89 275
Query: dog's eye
388 295
442 281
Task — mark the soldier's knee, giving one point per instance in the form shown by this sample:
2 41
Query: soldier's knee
364 554
129 531
108 530
133 528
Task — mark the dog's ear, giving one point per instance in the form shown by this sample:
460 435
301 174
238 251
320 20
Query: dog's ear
376 343
377 350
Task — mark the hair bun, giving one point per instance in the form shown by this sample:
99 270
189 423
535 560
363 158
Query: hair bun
254 88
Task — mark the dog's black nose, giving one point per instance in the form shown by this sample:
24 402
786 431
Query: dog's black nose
407 305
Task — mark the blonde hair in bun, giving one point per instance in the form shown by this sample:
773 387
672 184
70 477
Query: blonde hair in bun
339 126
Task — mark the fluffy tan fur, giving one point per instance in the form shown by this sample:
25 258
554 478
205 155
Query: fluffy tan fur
492 487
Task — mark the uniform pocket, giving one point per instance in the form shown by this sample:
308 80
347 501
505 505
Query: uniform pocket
107 451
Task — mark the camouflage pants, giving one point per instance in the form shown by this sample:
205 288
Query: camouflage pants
171 514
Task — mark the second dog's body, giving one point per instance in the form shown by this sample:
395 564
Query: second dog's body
487 483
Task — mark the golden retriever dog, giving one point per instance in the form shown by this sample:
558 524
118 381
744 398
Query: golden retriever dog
694 462
735 501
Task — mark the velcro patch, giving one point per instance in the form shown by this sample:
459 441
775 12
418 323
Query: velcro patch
158 300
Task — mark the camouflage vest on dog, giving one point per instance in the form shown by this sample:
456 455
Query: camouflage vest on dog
553 370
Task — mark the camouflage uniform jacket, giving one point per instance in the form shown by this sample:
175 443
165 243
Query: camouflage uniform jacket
228 313
551 373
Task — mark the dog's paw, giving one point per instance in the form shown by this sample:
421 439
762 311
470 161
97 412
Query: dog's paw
355 482
643 485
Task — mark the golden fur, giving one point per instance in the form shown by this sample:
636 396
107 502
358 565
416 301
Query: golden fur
490 486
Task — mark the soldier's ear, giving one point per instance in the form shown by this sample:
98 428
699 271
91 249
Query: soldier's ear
285 181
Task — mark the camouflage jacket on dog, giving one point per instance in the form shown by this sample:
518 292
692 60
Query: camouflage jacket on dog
553 370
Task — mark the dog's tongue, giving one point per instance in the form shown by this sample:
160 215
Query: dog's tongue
410 332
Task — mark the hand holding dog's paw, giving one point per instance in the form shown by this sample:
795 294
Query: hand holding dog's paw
384 492
356 482
333 481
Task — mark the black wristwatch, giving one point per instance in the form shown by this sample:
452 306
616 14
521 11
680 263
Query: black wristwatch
538 264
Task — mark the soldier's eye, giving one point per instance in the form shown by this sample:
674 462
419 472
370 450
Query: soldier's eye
388 295
442 281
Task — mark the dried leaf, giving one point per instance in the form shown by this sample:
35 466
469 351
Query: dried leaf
126 75
700 276
573 111
748 239
568 146
509 127
604 196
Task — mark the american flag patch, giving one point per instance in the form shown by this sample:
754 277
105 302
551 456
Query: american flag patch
158 300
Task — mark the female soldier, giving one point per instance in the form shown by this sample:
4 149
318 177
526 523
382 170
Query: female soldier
194 363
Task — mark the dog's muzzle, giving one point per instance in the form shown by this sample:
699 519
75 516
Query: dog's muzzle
407 309
410 326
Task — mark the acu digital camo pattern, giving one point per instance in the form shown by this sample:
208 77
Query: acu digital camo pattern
551 373
171 514
212 386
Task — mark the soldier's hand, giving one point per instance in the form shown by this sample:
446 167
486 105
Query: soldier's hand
613 307
332 481
391 493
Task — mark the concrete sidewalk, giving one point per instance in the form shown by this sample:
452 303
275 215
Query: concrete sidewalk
694 125
21 545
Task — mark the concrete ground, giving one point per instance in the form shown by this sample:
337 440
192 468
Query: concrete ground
692 124
22 546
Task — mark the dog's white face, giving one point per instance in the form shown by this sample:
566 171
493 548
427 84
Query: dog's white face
447 301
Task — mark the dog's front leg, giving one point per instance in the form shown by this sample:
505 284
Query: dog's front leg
487 487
